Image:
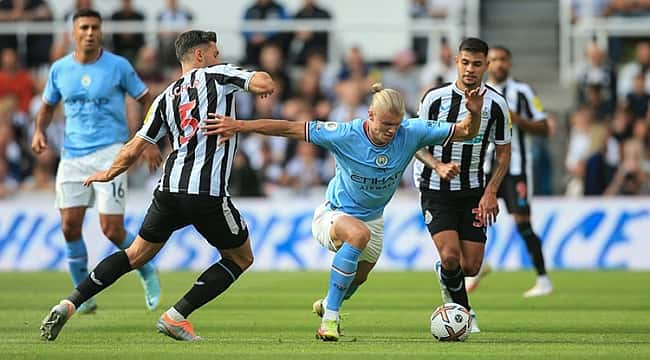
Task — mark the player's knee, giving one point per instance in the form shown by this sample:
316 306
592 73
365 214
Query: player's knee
71 229
472 268
450 258
137 257
244 260
113 232
359 237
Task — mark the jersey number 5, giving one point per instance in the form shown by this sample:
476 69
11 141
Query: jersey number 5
185 111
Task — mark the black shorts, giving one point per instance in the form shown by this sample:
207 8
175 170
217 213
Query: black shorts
216 218
453 210
514 191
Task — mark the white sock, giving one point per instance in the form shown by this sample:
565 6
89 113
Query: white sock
330 315
175 315
543 280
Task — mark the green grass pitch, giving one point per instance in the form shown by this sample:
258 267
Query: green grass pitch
591 315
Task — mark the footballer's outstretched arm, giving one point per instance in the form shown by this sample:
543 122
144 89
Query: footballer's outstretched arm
128 155
226 127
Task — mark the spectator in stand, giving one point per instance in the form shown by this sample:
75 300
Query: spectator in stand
128 44
627 8
149 70
244 180
350 104
596 69
178 20
631 178
67 17
354 66
17 155
38 45
309 88
306 41
579 150
317 64
600 165
14 80
272 61
637 100
7 183
594 99
581 9
420 10
305 169
641 65
622 125
9 12
403 76
440 70
436 9
262 10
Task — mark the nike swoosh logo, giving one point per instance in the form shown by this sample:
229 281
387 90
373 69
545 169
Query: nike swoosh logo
199 283
95 280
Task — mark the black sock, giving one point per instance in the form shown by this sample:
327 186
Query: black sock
215 280
454 280
534 245
106 273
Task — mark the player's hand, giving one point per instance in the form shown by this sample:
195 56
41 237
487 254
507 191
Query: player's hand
153 157
447 171
488 208
474 100
39 142
99 176
217 124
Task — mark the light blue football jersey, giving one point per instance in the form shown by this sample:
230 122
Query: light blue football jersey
93 97
368 175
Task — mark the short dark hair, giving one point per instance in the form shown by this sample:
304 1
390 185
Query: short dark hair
474 45
192 38
502 48
86 13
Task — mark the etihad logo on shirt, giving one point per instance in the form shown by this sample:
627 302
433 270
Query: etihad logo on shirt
388 182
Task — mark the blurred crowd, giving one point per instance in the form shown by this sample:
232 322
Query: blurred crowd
608 142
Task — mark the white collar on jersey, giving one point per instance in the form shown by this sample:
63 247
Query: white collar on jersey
460 92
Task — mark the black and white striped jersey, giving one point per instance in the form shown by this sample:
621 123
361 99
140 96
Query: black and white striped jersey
197 164
523 102
447 103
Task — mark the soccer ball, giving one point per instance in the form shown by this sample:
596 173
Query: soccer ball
451 322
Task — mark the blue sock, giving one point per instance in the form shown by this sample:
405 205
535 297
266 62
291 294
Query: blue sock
77 260
145 269
344 268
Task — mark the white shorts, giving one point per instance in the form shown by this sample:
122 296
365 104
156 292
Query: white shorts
323 220
110 197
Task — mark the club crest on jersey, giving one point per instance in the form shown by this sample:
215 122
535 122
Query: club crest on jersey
86 80
428 217
381 160
331 126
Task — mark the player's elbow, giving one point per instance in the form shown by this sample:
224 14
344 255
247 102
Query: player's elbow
262 83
